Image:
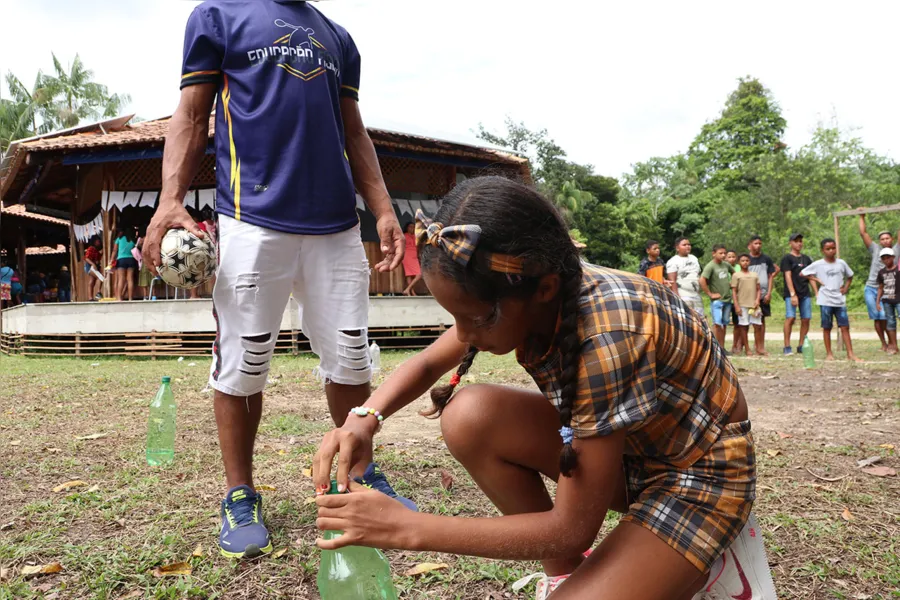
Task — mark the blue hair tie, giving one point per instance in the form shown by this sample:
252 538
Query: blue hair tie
567 434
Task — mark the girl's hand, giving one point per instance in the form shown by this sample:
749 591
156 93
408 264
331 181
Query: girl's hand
367 518
349 443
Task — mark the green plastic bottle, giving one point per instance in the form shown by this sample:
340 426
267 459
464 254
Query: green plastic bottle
354 572
161 426
809 358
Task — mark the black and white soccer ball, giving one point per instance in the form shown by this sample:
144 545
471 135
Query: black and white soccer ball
187 260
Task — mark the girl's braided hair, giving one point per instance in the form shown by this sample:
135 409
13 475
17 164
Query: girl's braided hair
518 221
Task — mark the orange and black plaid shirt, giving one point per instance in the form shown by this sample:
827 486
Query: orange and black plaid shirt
648 364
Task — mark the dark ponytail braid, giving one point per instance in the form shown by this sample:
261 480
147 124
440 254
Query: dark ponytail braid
569 350
440 396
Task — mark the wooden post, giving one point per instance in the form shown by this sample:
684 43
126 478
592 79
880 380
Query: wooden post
153 345
294 349
837 236
78 345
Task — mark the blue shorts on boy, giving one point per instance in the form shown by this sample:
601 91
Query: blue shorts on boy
721 312
804 307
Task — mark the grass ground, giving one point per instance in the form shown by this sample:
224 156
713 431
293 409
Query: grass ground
832 531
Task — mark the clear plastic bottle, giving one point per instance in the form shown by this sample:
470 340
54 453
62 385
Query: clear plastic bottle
375 357
354 572
161 426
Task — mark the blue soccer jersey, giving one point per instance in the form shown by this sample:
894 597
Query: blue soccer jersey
281 68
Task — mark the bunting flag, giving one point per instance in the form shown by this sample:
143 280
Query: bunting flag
360 203
404 208
206 199
149 199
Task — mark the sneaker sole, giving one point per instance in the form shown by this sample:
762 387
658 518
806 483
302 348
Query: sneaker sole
251 551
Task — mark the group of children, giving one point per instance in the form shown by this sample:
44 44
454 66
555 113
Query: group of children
740 286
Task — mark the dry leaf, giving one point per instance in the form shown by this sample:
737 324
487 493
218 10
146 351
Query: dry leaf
47 569
379 447
423 568
134 594
266 488
6 526
68 485
292 441
279 553
93 488
769 377
446 480
847 515
309 500
198 551
784 436
880 471
15 442
53 450
173 570
93 436
886 446
307 473
868 462
281 452
5 573
44 587
773 453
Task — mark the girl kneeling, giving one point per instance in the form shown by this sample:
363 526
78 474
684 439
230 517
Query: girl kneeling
645 416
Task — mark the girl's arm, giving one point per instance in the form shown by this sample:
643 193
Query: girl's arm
370 518
408 381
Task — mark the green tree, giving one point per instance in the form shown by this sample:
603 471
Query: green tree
570 199
750 126
64 99
78 97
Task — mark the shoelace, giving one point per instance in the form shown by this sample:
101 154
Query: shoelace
243 511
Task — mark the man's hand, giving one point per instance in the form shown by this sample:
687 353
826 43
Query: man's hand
795 301
393 245
714 296
767 298
169 215
737 309
878 307
844 290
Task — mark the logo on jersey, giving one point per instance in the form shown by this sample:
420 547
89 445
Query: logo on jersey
298 52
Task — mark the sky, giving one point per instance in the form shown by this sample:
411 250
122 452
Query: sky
614 82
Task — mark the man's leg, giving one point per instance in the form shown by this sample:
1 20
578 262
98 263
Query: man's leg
237 420
826 334
256 269
759 337
804 330
788 330
880 329
845 334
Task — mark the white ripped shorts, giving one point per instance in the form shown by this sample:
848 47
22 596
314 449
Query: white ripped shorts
258 270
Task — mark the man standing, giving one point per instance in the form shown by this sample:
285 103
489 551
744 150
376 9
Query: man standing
716 282
885 240
796 292
683 271
290 149
765 269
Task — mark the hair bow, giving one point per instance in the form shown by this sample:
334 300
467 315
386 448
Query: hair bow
459 241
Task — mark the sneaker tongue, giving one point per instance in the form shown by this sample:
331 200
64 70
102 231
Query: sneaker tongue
241 492
373 473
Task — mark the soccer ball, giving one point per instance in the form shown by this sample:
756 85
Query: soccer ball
187 261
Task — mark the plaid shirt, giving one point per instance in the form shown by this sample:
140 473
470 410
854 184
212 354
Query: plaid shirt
648 364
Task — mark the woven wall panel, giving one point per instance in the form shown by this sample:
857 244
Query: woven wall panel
407 175
141 175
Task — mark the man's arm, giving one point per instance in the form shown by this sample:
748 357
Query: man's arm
880 293
185 146
705 287
368 180
867 239
672 276
758 294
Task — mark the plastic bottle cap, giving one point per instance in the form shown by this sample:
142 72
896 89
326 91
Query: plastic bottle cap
166 379
333 489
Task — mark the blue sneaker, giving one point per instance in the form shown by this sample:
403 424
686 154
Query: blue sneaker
788 351
244 535
374 479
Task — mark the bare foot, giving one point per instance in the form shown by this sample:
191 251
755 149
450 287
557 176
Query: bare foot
762 352
891 352
884 348
829 357
855 359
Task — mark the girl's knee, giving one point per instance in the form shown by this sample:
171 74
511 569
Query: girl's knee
467 419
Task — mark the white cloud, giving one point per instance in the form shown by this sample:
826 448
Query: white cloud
614 83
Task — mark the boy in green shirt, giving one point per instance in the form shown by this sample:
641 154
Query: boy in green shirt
715 280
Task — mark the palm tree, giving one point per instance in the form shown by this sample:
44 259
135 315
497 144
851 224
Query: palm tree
571 199
78 97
